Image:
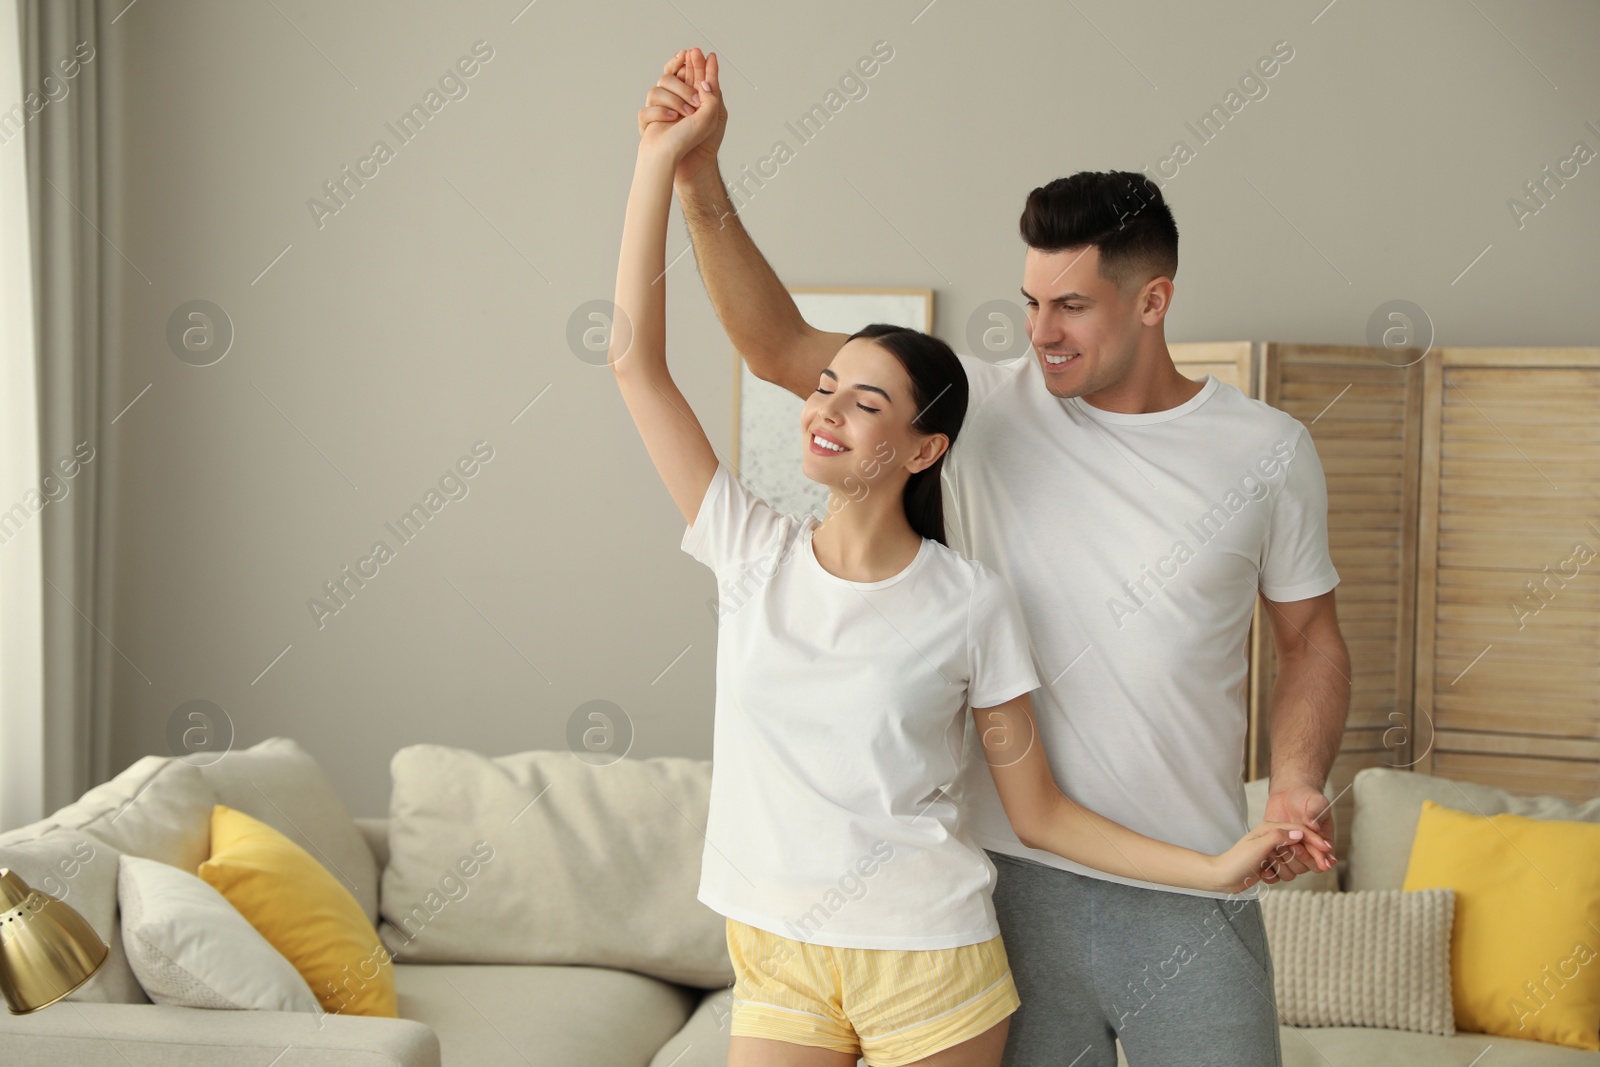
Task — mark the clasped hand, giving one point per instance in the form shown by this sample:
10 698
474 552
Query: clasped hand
682 119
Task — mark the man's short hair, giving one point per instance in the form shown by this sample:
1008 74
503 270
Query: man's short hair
1120 212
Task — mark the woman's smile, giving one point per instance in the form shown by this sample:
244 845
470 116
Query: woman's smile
823 443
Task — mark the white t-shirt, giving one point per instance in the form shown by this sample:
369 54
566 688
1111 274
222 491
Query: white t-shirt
1135 544
838 733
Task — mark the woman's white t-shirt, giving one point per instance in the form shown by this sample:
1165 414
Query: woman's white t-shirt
838 732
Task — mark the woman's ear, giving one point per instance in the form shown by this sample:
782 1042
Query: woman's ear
929 448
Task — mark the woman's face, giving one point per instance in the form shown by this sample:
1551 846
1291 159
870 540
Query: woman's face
862 409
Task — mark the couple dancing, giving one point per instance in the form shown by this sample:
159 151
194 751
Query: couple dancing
902 880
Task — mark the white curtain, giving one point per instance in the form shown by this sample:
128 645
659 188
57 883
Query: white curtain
57 437
21 573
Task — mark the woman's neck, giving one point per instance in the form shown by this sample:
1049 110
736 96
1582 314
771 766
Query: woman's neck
867 539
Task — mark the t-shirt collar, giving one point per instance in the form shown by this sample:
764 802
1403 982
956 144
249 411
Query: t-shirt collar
1141 418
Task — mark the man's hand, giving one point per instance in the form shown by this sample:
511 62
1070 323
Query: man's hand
1260 855
677 95
1299 804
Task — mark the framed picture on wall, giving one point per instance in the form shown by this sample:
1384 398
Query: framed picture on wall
766 417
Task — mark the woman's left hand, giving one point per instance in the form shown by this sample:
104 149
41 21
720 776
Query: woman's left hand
1258 855
668 132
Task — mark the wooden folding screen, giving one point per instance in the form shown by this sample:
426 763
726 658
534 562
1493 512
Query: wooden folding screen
1510 569
1233 362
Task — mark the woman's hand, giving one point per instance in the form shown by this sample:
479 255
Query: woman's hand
1260 853
683 116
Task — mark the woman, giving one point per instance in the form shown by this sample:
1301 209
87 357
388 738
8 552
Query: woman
858 912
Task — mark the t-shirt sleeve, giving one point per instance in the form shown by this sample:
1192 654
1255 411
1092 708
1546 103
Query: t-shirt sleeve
733 525
1295 564
983 377
999 653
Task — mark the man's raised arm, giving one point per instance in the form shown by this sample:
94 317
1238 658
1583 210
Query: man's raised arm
756 311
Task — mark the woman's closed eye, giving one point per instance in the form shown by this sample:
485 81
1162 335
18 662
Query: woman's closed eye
859 404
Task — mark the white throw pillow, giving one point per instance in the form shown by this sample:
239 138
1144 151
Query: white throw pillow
1374 958
190 947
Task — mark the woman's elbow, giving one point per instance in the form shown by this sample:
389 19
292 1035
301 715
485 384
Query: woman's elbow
1027 831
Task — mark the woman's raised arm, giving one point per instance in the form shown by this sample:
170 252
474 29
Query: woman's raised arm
672 435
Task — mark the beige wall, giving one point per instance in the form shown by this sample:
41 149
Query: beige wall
430 310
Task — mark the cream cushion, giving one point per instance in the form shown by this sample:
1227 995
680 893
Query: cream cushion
1388 804
1364 958
488 1015
539 857
188 946
159 808
80 870
278 783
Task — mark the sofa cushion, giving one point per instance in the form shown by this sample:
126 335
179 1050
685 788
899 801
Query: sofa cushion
1255 799
278 783
703 1041
540 857
1527 934
160 1035
489 1015
376 833
159 808
80 870
303 911
190 947
1374 958
1367 1047
1388 803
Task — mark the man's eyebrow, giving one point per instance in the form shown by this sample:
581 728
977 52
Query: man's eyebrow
860 385
1063 297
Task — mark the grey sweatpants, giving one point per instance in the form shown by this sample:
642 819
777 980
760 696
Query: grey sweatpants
1180 979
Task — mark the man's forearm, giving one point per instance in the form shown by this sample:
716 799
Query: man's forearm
1310 702
756 311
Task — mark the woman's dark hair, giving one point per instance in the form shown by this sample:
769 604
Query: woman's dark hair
939 390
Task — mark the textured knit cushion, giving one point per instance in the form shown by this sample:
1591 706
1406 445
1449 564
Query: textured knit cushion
1377 958
539 857
1526 950
190 947
303 912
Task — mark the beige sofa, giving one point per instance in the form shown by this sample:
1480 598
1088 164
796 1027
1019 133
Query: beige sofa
483 1011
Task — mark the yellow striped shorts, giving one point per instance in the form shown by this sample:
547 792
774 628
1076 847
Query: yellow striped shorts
891 1006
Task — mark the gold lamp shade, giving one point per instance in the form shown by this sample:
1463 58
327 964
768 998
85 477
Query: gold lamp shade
47 949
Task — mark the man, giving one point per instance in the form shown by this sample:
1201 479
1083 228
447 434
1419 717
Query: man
1137 514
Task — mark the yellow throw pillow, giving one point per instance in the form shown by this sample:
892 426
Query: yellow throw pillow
1525 949
303 911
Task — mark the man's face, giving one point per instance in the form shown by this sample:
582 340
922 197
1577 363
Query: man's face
1074 312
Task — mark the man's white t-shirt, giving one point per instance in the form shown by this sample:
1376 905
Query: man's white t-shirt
1136 545
840 712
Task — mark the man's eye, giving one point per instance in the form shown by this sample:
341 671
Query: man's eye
1074 307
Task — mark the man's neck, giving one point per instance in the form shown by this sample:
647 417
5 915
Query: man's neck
1152 384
